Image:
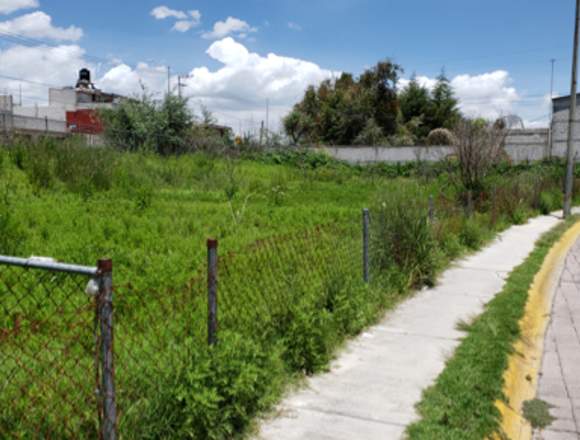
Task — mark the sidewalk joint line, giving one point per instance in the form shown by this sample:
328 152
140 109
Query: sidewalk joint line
349 416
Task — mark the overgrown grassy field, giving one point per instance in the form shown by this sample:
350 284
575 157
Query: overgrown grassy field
291 285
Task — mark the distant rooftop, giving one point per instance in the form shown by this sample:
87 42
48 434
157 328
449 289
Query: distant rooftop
561 103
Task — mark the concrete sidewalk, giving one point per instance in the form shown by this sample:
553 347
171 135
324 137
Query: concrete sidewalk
559 382
374 384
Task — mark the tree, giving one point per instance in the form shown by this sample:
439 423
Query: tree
379 84
444 112
296 124
479 146
144 124
337 112
415 106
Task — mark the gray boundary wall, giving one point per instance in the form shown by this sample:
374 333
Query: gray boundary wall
521 145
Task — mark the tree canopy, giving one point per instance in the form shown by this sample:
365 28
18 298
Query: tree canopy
369 110
337 112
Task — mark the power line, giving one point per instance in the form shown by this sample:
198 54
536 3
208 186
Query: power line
33 42
38 83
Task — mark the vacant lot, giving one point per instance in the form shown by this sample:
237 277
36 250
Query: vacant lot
290 274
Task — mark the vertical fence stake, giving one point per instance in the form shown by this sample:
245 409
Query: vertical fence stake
366 223
431 209
469 203
212 306
105 313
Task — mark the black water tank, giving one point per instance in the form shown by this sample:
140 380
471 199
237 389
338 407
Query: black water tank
85 75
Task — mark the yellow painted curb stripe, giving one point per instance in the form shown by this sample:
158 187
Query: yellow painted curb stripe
521 376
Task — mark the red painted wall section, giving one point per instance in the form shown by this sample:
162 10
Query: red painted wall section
84 121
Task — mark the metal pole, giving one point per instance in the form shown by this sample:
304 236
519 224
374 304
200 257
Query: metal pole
431 209
366 224
551 129
267 121
105 313
212 280
470 202
571 122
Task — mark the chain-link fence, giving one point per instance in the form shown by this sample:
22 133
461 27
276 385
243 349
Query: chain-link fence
55 349
57 378
56 341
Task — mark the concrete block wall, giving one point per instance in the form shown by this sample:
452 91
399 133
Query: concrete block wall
560 133
521 146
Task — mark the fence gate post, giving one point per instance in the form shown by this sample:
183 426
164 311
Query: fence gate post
105 314
366 224
212 281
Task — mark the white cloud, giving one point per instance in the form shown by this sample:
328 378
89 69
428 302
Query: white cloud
231 26
294 26
10 6
488 95
163 12
125 80
39 25
424 81
185 25
246 80
195 15
185 21
56 66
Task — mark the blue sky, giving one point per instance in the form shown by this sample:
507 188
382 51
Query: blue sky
469 38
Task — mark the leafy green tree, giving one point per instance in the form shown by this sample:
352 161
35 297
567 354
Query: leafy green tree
337 112
371 135
145 124
445 111
416 104
379 90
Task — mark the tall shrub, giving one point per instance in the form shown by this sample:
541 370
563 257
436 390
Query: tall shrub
403 246
479 146
145 124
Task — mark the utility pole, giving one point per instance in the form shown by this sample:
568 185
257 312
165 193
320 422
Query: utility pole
267 121
179 85
261 133
168 80
571 153
551 128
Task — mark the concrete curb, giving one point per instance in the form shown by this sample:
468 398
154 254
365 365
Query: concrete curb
521 376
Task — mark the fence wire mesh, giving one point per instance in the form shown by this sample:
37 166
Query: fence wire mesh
47 355
50 339
157 333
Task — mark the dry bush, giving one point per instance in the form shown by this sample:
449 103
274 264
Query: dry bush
479 147
441 136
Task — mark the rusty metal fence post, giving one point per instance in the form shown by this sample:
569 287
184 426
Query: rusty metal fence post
431 209
105 318
469 207
212 287
366 233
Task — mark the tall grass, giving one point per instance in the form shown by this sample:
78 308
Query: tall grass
290 277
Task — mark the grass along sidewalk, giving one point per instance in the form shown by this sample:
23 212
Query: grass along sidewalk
462 402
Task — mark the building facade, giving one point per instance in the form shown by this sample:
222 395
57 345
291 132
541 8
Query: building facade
69 110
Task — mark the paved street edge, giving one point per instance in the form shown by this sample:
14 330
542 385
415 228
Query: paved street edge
521 376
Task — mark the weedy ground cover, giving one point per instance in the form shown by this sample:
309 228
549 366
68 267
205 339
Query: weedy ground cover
290 275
